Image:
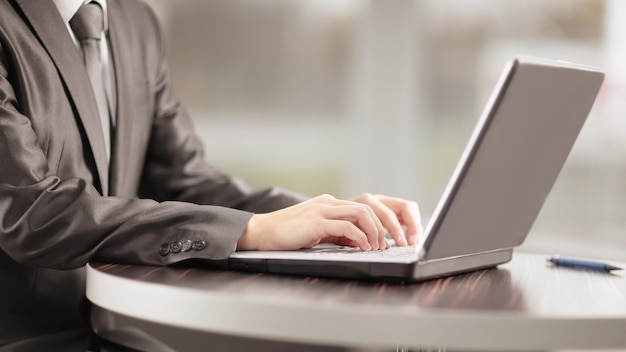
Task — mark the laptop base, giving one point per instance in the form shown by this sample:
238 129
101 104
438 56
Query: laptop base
455 265
377 271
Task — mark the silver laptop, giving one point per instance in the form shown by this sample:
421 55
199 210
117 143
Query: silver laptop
499 185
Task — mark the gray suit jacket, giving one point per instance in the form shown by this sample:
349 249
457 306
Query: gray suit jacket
59 206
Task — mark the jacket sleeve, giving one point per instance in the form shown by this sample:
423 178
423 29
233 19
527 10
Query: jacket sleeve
63 223
59 223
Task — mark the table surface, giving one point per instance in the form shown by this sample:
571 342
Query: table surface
526 304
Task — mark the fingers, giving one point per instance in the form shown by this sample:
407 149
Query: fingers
360 215
394 213
343 230
387 216
408 214
363 217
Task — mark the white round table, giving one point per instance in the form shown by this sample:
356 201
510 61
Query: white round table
526 304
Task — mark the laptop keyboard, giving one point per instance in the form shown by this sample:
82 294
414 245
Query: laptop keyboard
353 251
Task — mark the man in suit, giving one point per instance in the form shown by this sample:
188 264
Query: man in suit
134 189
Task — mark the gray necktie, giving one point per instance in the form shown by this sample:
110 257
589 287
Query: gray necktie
88 24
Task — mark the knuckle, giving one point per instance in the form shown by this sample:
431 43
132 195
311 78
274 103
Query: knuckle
413 205
326 196
368 196
364 197
363 210
347 228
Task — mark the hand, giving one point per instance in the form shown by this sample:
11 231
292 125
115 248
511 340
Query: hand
326 219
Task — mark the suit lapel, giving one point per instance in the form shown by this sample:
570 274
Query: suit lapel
132 108
124 131
49 27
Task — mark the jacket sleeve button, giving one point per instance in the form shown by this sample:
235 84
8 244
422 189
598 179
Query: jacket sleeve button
199 245
187 246
164 249
175 247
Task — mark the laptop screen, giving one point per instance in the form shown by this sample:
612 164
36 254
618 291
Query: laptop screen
513 158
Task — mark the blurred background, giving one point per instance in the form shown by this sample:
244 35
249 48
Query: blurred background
353 96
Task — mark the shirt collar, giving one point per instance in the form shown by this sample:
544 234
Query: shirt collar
68 8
